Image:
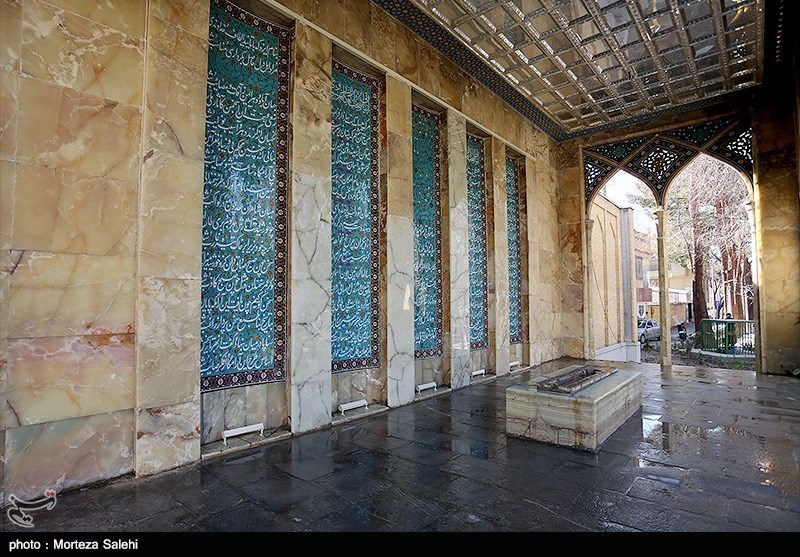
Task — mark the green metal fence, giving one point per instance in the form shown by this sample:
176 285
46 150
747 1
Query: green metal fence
728 336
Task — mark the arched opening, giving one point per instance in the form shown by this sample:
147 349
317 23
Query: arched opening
621 250
711 257
720 149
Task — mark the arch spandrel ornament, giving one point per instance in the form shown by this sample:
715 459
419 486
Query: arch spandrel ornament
736 146
595 171
658 162
657 158
700 134
621 150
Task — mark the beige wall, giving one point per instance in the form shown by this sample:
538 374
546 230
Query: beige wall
605 273
72 182
100 229
544 260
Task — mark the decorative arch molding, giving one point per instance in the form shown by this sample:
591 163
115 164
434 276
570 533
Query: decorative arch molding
657 158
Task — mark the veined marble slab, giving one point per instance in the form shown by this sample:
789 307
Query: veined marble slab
583 420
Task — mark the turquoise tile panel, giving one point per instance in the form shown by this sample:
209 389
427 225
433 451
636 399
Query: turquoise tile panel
514 245
476 210
426 149
355 300
243 307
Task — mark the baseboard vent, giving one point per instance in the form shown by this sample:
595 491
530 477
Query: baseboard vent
479 372
241 431
353 405
426 386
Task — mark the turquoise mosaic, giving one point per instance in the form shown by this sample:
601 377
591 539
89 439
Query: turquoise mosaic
243 308
476 211
355 300
426 148
514 245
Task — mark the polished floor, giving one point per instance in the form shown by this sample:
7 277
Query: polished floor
711 450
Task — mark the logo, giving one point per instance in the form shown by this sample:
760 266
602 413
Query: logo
16 512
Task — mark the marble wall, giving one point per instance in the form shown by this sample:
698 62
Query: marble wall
499 341
101 177
70 150
310 217
367 384
266 403
381 39
10 30
480 361
101 180
605 273
777 207
100 257
544 254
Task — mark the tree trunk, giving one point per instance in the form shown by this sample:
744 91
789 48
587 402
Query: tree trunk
698 281
698 293
738 259
747 281
727 280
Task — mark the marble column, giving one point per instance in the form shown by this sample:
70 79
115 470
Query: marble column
399 245
497 215
588 345
532 262
170 237
460 362
663 288
310 250
629 310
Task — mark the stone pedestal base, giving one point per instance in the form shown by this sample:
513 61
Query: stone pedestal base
583 420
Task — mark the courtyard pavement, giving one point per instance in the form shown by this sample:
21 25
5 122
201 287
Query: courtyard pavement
712 450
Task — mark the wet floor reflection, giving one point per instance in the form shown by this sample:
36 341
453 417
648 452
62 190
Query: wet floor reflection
710 450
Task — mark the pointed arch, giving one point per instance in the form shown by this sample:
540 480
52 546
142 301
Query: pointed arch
610 178
746 178
751 222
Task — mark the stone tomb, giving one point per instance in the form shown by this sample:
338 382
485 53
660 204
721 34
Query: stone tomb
576 406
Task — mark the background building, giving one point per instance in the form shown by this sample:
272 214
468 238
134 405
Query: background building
680 293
